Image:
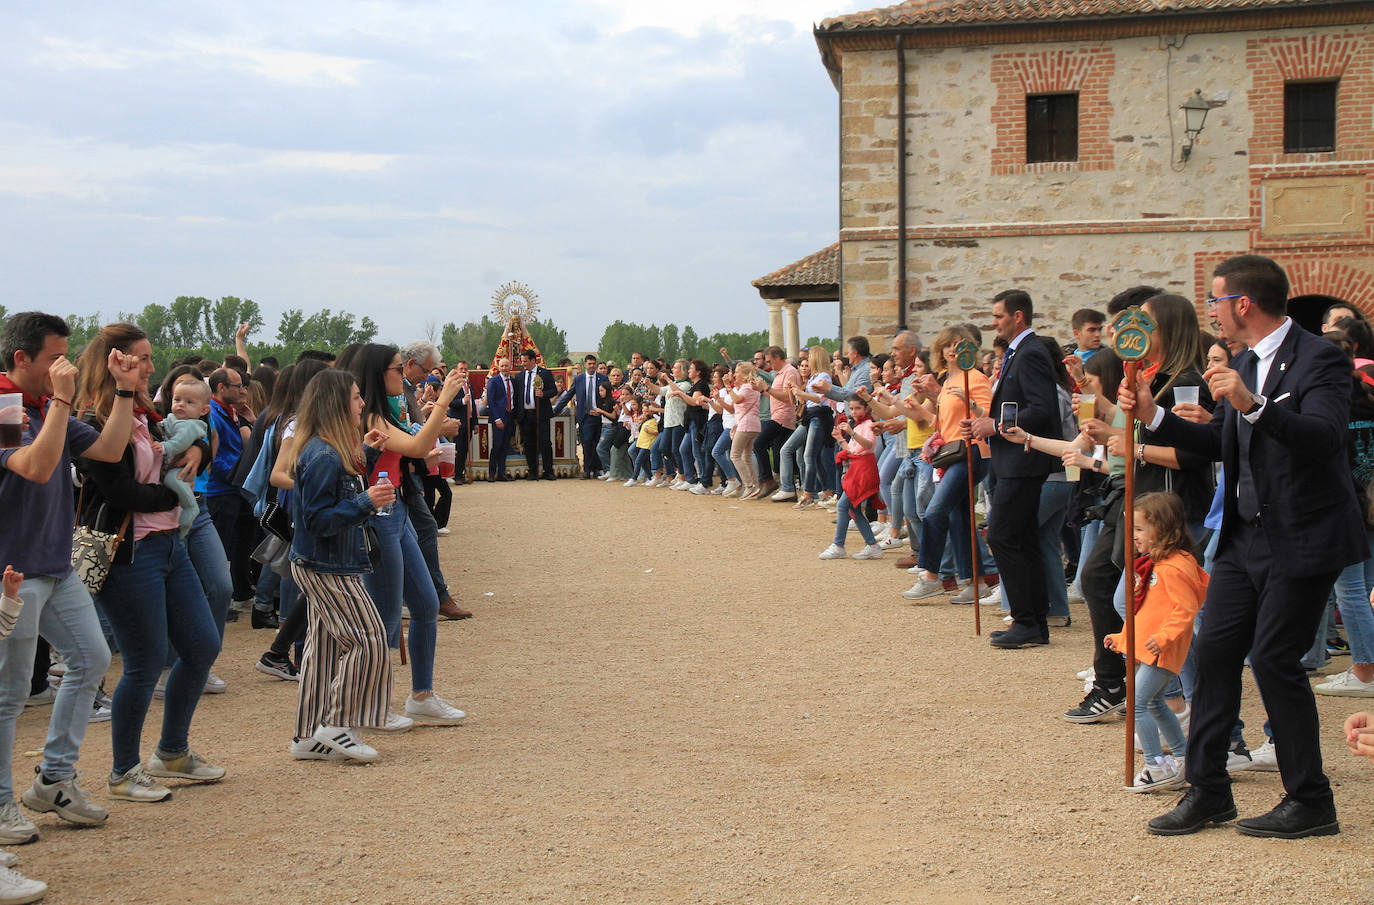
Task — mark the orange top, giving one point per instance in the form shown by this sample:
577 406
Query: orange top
1177 588
950 409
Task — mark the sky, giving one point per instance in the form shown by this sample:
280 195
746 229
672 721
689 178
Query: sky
402 160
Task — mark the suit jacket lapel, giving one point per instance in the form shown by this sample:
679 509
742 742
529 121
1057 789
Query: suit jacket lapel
1283 360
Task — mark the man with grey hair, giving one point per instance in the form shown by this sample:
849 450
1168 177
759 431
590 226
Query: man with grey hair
417 360
893 474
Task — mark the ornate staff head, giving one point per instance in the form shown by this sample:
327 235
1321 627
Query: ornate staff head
966 355
1131 334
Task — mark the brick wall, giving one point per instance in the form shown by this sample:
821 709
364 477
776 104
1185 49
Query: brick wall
1018 74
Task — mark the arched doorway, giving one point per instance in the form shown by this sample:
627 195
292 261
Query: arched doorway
1307 310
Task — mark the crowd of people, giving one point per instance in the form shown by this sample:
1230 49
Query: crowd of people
1264 502
315 494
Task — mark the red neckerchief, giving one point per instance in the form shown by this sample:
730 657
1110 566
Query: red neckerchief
1365 378
228 413
1144 566
9 386
151 415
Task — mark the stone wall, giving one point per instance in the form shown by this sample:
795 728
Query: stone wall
980 219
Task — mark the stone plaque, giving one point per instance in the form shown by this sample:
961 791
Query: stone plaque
1332 205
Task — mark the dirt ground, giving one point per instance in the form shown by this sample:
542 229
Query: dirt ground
672 700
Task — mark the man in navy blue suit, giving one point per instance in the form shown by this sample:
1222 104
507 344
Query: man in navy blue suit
535 390
500 419
588 390
1027 381
1290 524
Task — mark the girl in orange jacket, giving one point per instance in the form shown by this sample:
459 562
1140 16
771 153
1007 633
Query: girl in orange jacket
1169 589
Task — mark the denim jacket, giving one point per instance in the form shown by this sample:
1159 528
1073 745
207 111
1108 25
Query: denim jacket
329 508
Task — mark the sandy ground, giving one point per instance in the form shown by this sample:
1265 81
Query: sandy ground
672 700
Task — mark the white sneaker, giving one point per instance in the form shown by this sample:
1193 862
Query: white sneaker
926 587
8 859
834 551
882 532
1265 758
65 798
993 597
679 484
872 551
891 543
433 711
15 828
309 749
731 492
965 594
16 889
1086 675
396 723
1345 684
188 765
630 483
346 742
137 785
700 490
443 532
783 496
215 685
1164 773
1075 593
717 491
1008 620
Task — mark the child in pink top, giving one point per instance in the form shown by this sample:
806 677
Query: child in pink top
744 391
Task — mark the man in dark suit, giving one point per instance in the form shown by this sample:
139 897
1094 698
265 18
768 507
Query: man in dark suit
586 392
534 390
1026 379
500 419
1290 524
463 410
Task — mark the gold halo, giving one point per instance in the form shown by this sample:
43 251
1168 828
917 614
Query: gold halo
515 299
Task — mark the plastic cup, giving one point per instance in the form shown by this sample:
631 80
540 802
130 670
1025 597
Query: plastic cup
1087 406
1185 395
1073 473
447 457
11 420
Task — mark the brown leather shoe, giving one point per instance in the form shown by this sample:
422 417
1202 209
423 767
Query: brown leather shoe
450 610
906 562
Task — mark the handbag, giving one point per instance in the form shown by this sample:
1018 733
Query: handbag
93 550
276 522
949 454
275 554
372 543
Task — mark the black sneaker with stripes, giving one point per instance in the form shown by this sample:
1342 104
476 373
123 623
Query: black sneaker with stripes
1099 705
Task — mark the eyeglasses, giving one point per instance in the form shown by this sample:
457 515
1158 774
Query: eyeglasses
1212 300
399 369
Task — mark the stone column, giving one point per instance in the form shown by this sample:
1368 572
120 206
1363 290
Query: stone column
791 329
774 321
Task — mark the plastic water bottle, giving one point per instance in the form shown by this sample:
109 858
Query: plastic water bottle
382 479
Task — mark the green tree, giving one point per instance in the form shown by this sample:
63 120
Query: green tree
289 328
185 317
831 344
222 319
690 344
475 341
84 329
671 346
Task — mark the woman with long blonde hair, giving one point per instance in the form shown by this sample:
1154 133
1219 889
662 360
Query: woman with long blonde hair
345 670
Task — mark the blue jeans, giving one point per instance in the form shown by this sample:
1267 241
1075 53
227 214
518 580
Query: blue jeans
1352 596
61 611
1153 718
792 467
400 573
709 464
887 470
207 556
1085 546
1054 505
844 511
689 453
947 514
155 598
603 446
641 466
721 453
426 532
661 455
819 446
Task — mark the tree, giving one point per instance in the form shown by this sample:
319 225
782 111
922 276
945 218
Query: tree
475 341
671 347
186 315
289 328
222 319
83 330
690 343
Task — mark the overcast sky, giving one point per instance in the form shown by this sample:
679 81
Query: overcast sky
404 159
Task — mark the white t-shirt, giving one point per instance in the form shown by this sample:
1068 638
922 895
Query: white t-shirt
727 417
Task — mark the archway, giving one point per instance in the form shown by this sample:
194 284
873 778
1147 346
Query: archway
1307 310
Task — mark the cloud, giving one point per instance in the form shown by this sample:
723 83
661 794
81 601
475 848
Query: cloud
400 158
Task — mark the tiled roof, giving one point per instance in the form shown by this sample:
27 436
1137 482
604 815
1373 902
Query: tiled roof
995 12
819 269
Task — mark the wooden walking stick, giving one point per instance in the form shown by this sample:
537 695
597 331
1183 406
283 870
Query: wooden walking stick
966 359
1131 341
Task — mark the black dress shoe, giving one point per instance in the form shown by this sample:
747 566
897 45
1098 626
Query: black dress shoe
1293 820
491 479
1194 811
550 477
506 477
1016 637
531 478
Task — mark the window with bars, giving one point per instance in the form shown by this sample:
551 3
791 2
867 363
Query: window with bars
1051 127
1309 117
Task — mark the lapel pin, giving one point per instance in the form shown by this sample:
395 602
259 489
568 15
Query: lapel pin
1283 366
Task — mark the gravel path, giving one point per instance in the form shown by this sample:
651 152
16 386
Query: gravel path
672 700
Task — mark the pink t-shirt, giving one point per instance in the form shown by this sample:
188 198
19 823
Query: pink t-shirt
148 470
783 412
868 432
747 409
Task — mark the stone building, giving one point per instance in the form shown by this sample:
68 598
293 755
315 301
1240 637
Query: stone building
1041 147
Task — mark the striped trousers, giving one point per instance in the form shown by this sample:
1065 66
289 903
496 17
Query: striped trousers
345 670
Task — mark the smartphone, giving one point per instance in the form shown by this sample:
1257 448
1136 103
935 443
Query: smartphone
1009 412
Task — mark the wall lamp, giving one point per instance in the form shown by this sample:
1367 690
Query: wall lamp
1194 116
